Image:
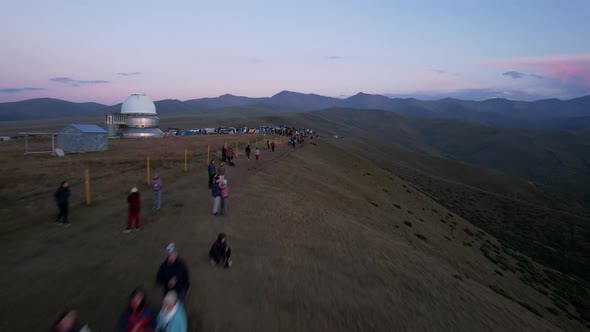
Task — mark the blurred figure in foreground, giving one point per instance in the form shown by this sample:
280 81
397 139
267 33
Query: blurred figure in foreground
173 274
172 317
66 322
139 316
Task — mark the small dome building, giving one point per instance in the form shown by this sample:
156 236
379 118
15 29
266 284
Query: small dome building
138 118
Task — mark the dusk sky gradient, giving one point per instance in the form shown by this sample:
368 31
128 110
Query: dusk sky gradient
103 51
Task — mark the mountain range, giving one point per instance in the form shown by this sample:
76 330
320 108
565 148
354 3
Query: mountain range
573 114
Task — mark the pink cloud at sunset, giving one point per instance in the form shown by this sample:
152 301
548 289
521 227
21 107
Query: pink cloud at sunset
571 72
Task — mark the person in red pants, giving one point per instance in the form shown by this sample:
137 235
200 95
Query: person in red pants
134 201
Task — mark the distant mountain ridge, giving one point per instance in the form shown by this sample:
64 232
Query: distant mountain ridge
573 114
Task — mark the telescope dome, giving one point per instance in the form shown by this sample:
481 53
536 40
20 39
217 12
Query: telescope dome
138 103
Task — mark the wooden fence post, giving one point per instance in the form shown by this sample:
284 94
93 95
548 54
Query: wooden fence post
87 185
148 171
185 160
208 158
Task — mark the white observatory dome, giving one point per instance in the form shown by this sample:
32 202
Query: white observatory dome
138 103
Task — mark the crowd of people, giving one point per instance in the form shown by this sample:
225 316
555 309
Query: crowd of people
139 315
172 276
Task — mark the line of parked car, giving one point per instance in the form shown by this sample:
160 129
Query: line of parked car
222 130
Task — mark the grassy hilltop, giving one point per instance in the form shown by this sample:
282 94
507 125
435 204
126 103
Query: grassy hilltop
391 227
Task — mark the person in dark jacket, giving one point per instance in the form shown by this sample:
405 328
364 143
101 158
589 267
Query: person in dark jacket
223 153
138 315
62 198
248 151
220 252
216 194
211 171
134 201
173 274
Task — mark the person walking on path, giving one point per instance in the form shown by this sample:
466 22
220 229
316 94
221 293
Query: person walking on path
224 196
62 198
134 201
272 146
230 156
211 171
173 274
138 315
257 153
216 194
248 152
172 317
157 189
223 153
268 144
221 170
220 252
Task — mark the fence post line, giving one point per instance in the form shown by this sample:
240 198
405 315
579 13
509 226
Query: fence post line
87 185
185 160
148 171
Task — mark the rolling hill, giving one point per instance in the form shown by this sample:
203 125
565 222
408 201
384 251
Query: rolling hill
47 108
552 114
329 237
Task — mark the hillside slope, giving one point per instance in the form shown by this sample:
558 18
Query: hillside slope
559 159
46 108
322 239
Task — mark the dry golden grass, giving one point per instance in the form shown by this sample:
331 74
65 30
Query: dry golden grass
27 182
319 244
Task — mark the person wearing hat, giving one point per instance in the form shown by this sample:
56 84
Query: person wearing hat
220 252
134 201
172 317
173 274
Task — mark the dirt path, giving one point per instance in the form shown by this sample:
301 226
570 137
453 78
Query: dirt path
92 266
310 254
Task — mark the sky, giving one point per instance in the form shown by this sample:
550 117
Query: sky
102 51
